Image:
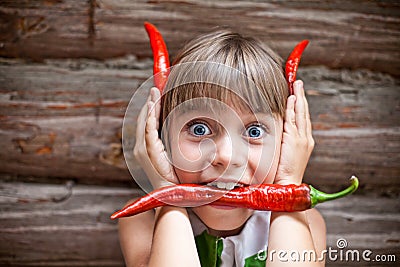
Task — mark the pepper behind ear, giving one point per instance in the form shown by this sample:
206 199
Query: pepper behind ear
292 64
160 56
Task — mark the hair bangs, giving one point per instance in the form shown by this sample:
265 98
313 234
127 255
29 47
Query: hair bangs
239 71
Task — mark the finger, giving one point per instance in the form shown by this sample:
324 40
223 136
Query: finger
156 98
154 144
290 115
141 122
307 114
151 132
300 108
155 147
308 117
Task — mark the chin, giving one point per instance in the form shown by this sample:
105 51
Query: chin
223 218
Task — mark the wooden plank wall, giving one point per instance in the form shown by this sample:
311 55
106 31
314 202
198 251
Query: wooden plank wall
69 225
354 34
68 122
69 68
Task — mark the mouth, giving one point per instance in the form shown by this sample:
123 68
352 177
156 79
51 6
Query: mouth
224 185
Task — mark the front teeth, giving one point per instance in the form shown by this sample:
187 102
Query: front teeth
223 185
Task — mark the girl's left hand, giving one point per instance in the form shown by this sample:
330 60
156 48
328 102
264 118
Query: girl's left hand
297 140
149 149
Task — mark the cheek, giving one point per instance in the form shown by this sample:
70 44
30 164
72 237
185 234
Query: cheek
185 177
188 159
269 178
261 162
265 161
184 155
187 151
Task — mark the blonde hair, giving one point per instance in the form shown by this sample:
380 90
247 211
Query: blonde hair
227 57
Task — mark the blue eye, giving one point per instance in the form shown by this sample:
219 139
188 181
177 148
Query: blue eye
199 129
255 131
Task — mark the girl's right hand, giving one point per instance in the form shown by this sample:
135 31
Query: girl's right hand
297 140
149 150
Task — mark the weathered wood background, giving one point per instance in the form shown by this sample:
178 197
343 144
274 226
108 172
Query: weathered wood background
69 68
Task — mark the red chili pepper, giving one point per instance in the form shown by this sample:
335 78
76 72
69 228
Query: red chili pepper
271 197
160 56
293 62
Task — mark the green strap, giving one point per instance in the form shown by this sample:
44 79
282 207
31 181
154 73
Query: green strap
220 247
210 249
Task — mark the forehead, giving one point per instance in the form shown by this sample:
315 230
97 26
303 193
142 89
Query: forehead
214 80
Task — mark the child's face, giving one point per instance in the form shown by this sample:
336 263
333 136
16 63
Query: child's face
227 145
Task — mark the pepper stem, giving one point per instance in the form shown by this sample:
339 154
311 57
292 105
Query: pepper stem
319 197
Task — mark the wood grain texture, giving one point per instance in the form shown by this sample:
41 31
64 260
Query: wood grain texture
60 225
66 117
69 68
343 34
69 225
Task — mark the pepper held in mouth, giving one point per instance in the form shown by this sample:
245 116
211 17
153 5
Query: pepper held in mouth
273 197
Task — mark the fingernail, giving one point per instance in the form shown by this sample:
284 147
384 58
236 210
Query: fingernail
154 93
298 83
149 107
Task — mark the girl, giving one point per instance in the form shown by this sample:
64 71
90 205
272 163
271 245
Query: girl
225 117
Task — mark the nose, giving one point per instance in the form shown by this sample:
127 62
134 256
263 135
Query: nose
229 152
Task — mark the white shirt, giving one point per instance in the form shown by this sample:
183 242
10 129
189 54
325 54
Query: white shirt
252 240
